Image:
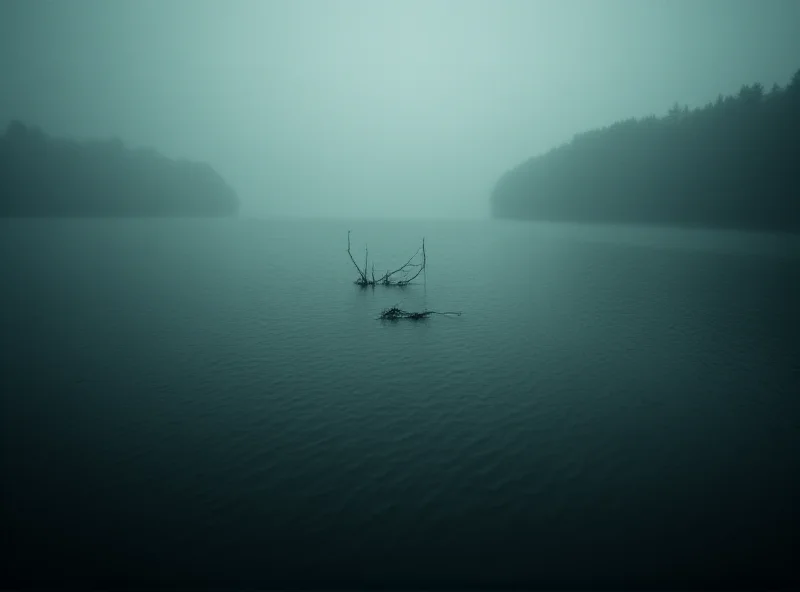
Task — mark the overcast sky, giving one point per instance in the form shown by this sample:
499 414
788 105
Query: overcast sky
371 107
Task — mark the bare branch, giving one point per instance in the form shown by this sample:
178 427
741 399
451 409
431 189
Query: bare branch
405 265
363 274
411 279
386 280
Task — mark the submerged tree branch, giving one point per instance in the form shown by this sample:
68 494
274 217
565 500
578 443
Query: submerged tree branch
388 279
406 273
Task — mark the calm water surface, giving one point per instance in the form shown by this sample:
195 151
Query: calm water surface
214 402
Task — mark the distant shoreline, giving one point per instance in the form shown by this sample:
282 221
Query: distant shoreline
44 177
103 216
659 224
731 164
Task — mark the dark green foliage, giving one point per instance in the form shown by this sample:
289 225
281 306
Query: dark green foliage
733 163
43 176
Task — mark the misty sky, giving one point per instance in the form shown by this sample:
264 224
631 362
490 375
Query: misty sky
370 107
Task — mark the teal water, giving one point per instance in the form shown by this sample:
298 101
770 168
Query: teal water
213 402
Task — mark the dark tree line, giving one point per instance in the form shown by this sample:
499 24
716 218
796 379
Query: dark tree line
733 163
44 176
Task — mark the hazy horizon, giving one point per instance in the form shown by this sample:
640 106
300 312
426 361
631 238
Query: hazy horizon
374 109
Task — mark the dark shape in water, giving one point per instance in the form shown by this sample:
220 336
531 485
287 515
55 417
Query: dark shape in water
394 313
387 278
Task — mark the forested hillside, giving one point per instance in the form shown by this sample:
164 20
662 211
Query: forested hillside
733 163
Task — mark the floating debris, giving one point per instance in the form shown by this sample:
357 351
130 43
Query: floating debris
394 313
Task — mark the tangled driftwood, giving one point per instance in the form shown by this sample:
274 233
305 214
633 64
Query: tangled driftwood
394 313
399 277
403 273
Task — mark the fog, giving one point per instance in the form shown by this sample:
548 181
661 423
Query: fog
374 108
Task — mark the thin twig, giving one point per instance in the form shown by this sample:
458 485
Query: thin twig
363 274
408 281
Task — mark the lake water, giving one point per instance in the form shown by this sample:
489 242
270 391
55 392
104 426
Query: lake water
213 402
